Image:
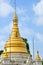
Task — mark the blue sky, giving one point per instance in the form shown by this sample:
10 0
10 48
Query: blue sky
30 22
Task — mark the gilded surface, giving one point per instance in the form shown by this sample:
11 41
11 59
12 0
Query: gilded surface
15 44
37 57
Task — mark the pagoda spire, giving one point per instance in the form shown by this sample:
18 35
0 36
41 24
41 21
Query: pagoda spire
37 56
15 43
15 29
15 5
15 15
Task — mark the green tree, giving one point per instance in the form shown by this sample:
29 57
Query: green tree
42 62
27 45
1 51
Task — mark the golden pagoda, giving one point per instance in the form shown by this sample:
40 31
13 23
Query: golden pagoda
5 55
38 57
15 44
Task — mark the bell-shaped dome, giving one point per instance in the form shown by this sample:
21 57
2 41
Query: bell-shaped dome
15 44
38 57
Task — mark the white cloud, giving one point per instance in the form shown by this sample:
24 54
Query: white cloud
38 20
1 1
3 32
26 32
31 33
6 29
2 45
25 18
21 10
38 10
39 37
7 1
5 9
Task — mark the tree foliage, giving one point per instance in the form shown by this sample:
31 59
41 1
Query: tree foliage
42 62
27 45
1 51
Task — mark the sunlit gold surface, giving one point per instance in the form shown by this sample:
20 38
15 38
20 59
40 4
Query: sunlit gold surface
15 44
37 56
5 55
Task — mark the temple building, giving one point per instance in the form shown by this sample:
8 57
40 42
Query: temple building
38 59
15 51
